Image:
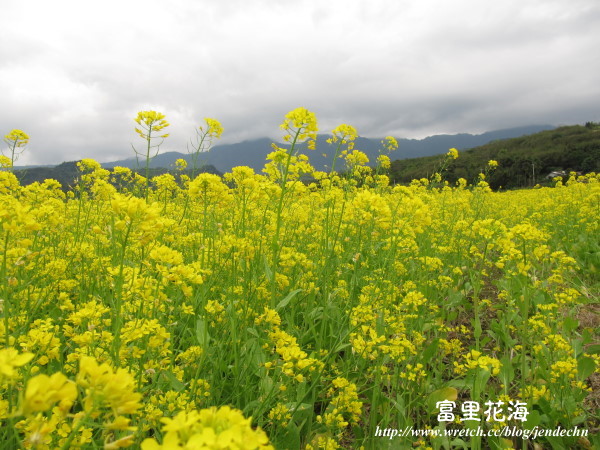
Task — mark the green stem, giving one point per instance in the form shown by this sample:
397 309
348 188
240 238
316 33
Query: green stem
5 283
73 432
118 320
275 242
148 162
12 155
337 152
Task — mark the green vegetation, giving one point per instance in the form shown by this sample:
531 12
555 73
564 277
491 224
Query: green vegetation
67 174
523 161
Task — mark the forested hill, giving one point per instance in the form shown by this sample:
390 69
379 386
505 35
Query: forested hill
522 161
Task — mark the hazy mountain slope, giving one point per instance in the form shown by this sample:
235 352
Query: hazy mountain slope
253 153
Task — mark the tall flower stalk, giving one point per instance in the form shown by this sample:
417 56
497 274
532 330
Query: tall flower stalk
16 141
300 126
342 135
150 122
204 139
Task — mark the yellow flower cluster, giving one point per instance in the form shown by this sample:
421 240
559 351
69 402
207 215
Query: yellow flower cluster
107 388
390 144
280 414
17 138
300 125
476 360
214 127
345 134
108 396
414 372
150 121
344 408
565 368
11 360
43 391
5 162
210 428
294 361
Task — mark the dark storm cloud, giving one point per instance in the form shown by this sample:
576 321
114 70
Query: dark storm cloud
77 74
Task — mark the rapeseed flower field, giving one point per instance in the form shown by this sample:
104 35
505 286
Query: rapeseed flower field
262 310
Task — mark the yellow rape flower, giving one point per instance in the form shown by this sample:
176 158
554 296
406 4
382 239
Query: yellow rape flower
5 162
345 133
301 123
476 360
209 428
384 161
356 158
215 129
105 387
10 359
44 391
150 121
88 164
18 138
390 143
345 407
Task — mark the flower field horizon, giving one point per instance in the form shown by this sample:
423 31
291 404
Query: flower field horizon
278 311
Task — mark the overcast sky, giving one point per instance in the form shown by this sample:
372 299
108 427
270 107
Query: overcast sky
74 74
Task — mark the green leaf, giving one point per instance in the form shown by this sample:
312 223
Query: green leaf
341 347
268 271
546 407
533 419
173 381
497 443
507 371
460 383
577 347
266 385
588 337
556 442
459 443
447 393
288 298
316 313
399 404
202 335
290 438
585 367
570 324
481 378
476 328
430 350
593 349
302 413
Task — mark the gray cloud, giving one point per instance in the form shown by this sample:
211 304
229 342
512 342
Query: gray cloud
73 75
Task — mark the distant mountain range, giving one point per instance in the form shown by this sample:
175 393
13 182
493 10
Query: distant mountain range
525 156
253 153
